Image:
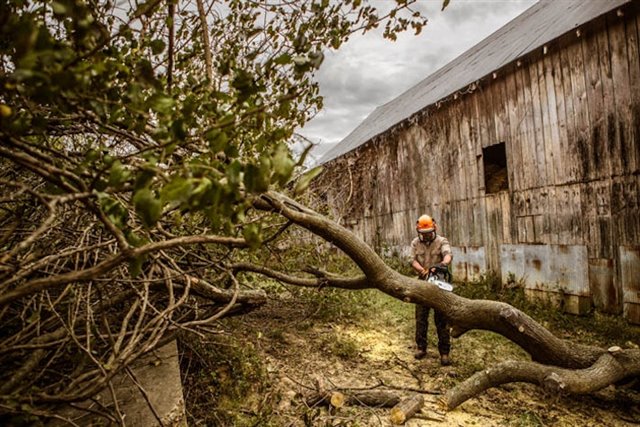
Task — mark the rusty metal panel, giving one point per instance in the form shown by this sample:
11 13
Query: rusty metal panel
630 274
511 261
476 262
459 263
569 268
632 313
606 296
550 268
537 267
469 262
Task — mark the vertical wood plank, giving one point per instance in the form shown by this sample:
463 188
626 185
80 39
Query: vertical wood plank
469 183
600 165
611 146
537 126
581 150
515 141
634 78
489 114
524 111
547 92
501 110
569 147
622 88
552 142
474 148
562 175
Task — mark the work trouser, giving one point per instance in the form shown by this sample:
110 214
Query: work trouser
422 324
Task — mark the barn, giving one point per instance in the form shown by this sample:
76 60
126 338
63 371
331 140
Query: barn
524 148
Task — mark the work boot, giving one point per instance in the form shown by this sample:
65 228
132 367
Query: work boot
420 354
444 360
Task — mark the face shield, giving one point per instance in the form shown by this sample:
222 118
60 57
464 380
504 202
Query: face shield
427 236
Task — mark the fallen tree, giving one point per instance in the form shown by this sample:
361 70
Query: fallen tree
560 365
142 152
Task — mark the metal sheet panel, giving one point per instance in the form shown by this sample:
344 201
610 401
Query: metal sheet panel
536 266
511 261
476 262
632 313
630 273
606 296
550 268
469 262
459 263
569 268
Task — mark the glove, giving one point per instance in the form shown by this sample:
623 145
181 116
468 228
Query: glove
439 268
423 274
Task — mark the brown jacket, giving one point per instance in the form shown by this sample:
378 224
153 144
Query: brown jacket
429 254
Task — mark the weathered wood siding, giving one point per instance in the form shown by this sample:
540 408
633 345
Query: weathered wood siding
569 116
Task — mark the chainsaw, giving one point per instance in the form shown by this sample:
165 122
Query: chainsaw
441 277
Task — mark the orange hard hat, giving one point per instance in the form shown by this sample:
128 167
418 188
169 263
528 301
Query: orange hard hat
425 224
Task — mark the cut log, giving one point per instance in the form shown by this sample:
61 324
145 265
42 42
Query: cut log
406 409
371 398
337 399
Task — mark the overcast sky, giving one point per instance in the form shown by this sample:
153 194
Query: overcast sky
369 71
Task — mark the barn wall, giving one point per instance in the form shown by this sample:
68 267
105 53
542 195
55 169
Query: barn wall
569 223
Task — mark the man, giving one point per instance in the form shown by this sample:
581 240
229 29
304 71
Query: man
430 250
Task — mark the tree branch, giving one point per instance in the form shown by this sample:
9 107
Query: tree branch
611 367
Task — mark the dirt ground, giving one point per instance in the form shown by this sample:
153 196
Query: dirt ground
299 344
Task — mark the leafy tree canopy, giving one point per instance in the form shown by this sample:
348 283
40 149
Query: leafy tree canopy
134 138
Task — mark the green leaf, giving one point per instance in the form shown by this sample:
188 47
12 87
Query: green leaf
233 173
178 129
135 266
113 209
58 8
257 177
177 191
144 178
145 8
252 235
157 46
118 175
133 239
445 3
305 180
200 195
161 103
282 164
316 59
147 206
217 140
282 59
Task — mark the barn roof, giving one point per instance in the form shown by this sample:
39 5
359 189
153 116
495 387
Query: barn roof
538 25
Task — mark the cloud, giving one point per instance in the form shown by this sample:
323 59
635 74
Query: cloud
369 71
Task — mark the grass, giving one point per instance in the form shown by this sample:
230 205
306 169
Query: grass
226 379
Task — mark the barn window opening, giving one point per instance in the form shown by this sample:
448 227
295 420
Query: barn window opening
496 175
